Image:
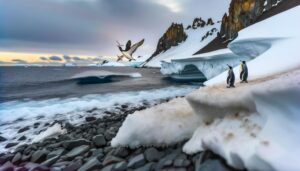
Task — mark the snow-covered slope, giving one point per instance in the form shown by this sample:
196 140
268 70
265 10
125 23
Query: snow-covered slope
186 49
275 43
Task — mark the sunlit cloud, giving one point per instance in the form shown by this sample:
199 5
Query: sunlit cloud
172 5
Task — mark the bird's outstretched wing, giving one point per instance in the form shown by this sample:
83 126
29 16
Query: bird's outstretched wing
135 46
128 45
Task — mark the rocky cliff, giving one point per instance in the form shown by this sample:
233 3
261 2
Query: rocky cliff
243 13
172 37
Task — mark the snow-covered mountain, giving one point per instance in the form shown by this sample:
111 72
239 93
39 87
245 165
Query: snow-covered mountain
196 38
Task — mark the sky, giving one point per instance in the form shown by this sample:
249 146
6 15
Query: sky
33 29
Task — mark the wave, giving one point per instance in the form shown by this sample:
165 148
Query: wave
17 114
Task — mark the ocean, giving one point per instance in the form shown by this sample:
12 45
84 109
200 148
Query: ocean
31 95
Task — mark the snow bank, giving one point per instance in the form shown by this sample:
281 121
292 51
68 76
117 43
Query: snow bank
249 123
161 125
275 46
187 48
244 125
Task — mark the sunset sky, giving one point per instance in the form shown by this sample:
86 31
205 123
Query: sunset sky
89 28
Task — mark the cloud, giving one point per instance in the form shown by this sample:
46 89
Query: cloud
55 58
43 58
19 61
91 27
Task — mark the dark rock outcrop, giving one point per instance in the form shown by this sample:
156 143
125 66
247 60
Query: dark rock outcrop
172 37
241 14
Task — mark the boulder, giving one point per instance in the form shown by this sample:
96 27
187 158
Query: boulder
120 152
147 167
58 152
120 166
50 161
2 139
210 165
93 163
90 118
22 138
39 156
17 158
26 128
8 166
77 151
11 145
75 165
108 168
99 140
181 162
152 154
109 159
136 161
70 144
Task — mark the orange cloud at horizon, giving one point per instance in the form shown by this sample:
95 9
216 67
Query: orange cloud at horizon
29 57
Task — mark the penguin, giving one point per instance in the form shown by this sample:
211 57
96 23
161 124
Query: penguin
230 77
244 72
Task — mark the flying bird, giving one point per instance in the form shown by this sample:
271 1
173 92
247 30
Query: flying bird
129 50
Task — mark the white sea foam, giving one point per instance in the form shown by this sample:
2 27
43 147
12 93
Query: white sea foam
17 114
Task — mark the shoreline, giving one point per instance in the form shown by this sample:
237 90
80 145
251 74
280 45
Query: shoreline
87 147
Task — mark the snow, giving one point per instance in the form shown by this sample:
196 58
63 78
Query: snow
276 50
174 121
53 130
241 126
187 48
253 126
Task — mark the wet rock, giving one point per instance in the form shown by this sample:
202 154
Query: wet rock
197 160
17 158
61 164
109 159
99 140
8 166
120 152
210 165
5 158
22 138
120 166
39 156
90 118
57 152
21 169
11 145
136 161
26 157
36 125
77 151
167 160
124 106
181 162
147 167
73 166
90 165
70 144
50 161
108 168
152 154
2 139
23 129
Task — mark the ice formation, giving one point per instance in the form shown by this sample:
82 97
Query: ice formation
210 66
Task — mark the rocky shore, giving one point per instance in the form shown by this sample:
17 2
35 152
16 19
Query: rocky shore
87 147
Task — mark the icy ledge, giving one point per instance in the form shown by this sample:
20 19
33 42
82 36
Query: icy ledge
255 126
